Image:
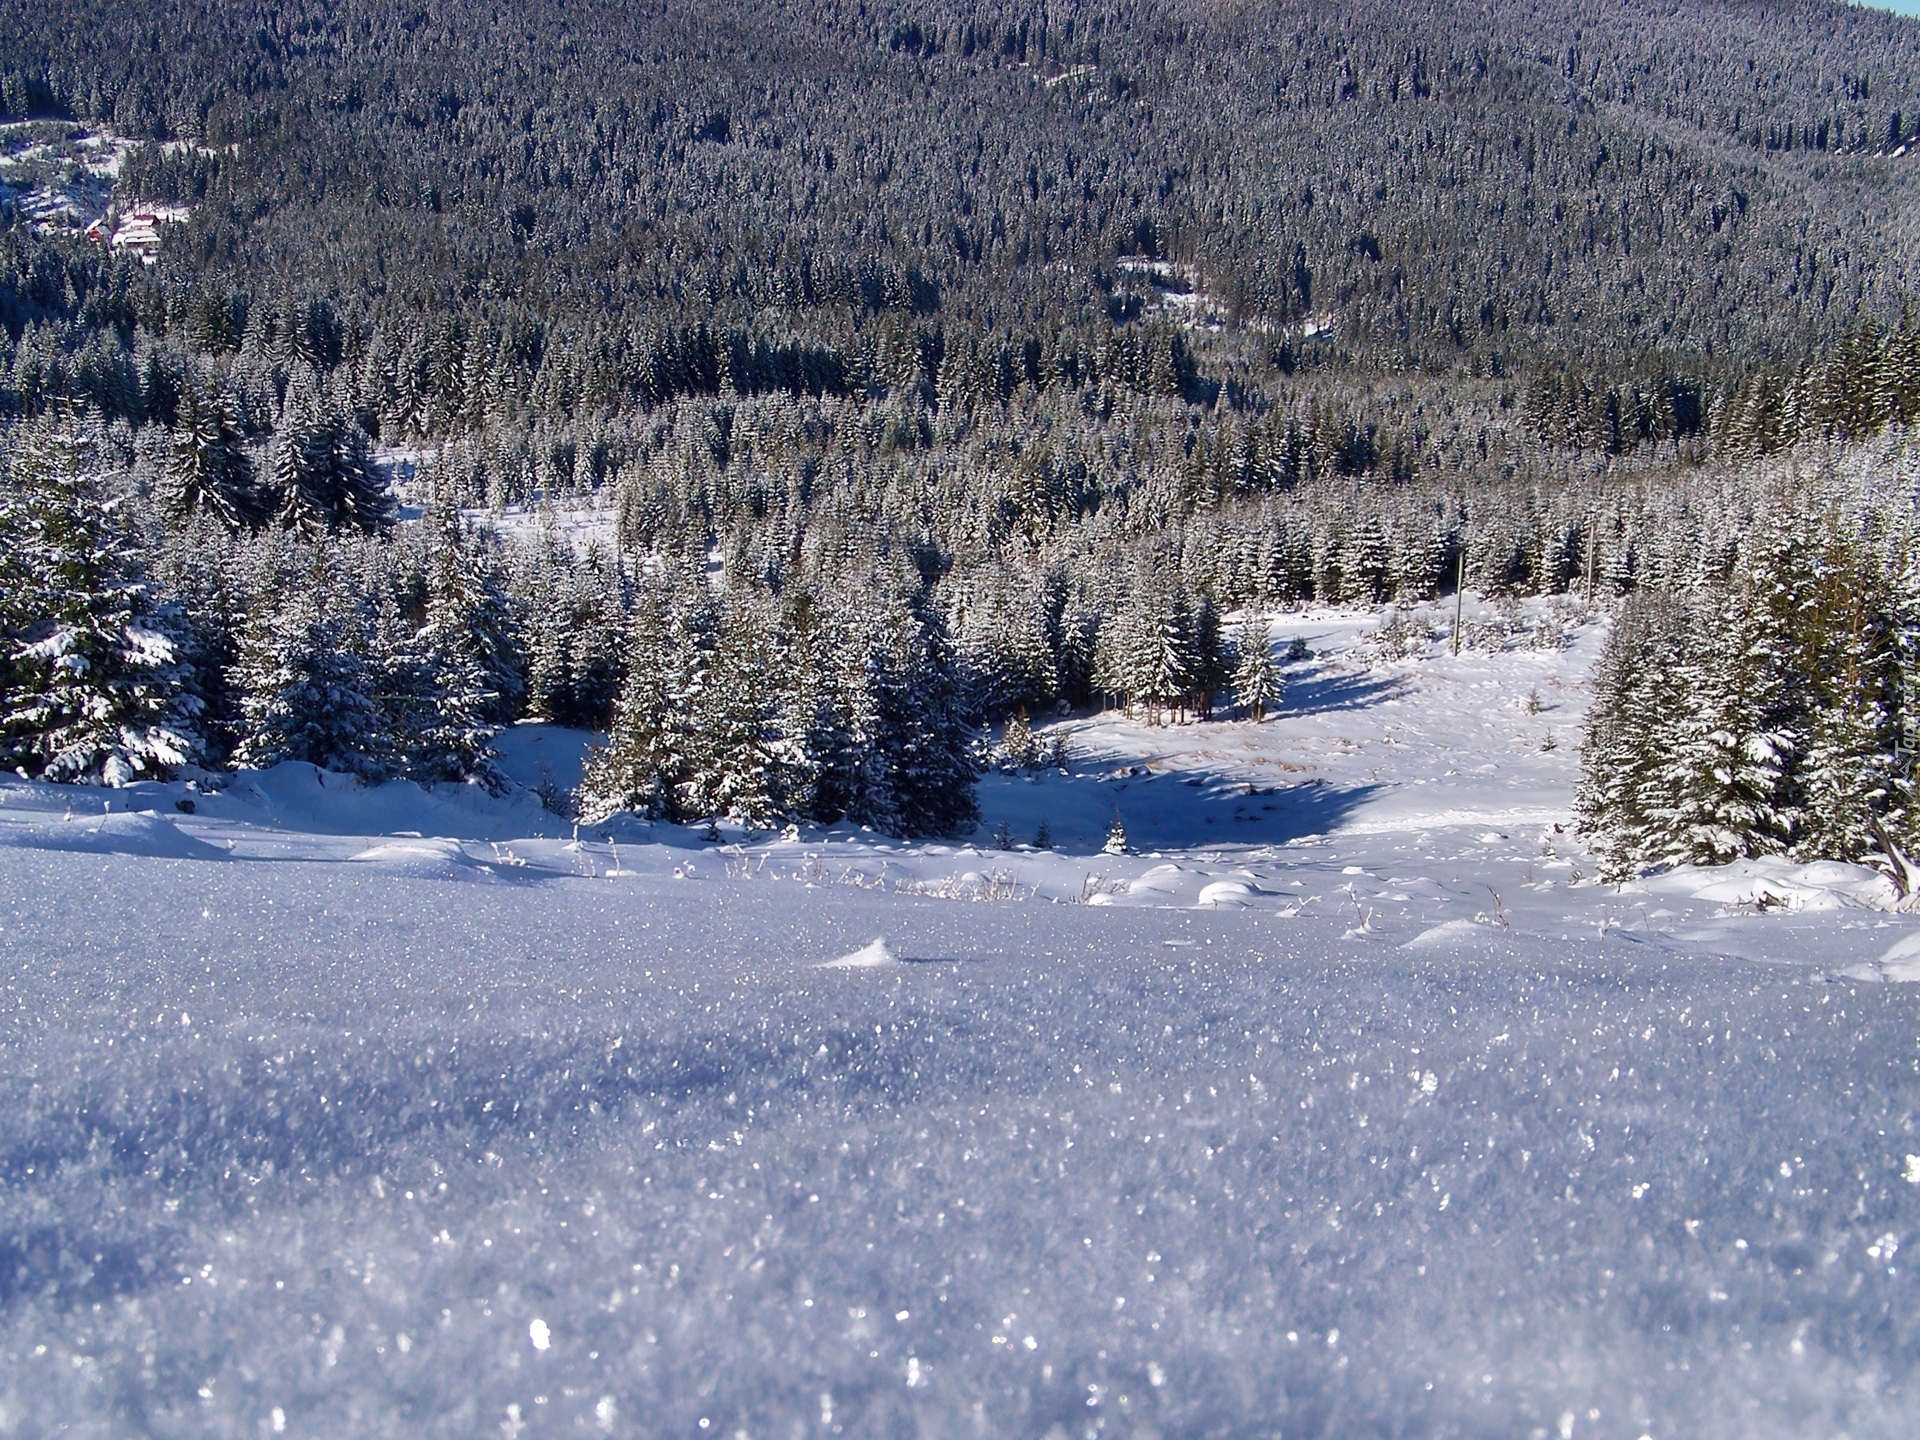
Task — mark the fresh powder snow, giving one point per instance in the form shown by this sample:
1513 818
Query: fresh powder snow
1346 1102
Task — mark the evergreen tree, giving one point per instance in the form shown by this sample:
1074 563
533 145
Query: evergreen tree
1717 749
637 769
323 474
307 693
207 469
593 664
920 709
199 570
1622 747
465 574
1017 749
731 768
1256 679
453 739
1208 669
93 688
1844 625
1165 670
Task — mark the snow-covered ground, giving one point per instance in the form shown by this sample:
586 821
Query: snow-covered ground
1347 1104
61 175
579 525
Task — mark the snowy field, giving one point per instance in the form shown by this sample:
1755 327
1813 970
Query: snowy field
1347 1105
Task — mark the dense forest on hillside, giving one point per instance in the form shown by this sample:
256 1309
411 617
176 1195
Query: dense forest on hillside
936 364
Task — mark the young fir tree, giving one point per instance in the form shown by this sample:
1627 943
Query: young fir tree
1017 750
540 585
1900 823
1618 753
811 745
307 691
201 572
1844 631
733 769
637 768
1208 672
93 688
594 669
454 739
1167 665
299 464
207 469
1721 791
1256 679
925 735
398 683
468 571
323 476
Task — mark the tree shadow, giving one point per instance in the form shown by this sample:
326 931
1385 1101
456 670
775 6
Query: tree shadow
1321 694
1314 808
1230 814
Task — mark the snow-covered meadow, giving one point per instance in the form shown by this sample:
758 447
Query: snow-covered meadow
1346 1104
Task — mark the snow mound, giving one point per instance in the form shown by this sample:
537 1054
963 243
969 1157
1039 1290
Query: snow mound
1450 935
1225 894
138 833
1777 885
428 860
1160 880
1899 965
867 956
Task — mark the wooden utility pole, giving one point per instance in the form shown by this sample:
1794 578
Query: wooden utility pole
1459 597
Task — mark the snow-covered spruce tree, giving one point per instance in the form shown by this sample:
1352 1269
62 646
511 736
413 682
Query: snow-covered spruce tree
1256 679
323 477
856 770
1721 790
451 735
465 566
1845 623
918 769
693 614
1115 646
732 769
93 688
1169 661
542 576
398 682
594 665
812 750
1901 562
1005 647
207 471
297 470
1761 714
1210 670
637 768
307 691
200 570
1620 750
1017 750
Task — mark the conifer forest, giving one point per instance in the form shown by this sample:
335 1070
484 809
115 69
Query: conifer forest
992 355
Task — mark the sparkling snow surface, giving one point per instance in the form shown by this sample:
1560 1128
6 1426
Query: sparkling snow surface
1356 1116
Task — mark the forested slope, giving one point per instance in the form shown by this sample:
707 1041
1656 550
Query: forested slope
1020 344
